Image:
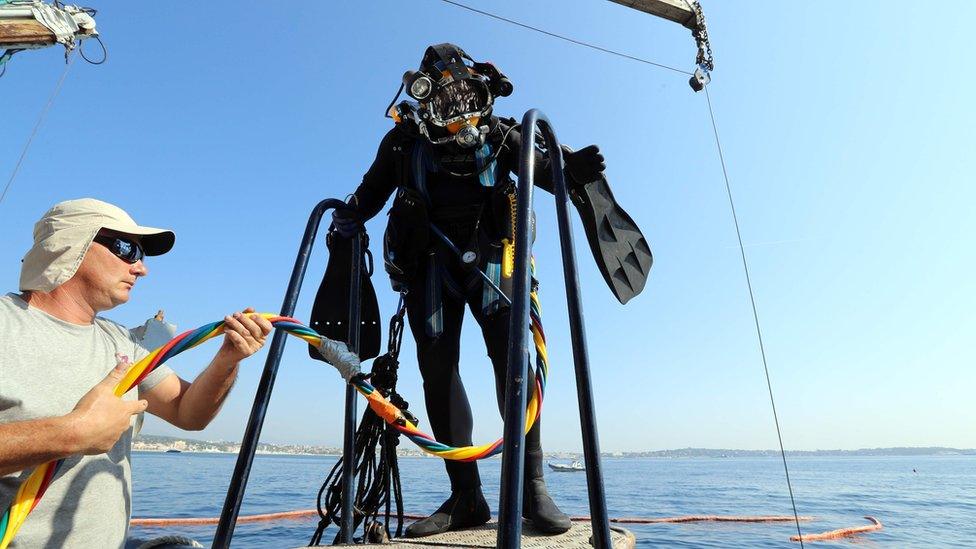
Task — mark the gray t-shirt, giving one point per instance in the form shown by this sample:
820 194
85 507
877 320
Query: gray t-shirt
46 366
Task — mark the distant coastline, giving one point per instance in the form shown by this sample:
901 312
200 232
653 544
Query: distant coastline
728 453
154 443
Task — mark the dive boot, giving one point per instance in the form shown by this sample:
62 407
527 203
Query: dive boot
539 508
464 509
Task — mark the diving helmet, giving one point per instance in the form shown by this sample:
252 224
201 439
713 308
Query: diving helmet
454 98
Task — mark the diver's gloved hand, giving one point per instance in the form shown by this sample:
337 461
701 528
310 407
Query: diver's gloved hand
583 166
338 355
347 222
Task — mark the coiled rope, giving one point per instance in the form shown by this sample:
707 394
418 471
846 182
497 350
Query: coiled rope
32 490
378 487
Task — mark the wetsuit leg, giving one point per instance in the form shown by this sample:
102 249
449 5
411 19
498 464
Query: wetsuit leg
494 329
447 403
537 505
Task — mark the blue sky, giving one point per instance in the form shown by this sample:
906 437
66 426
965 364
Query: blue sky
846 129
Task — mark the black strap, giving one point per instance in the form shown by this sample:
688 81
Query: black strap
395 335
453 59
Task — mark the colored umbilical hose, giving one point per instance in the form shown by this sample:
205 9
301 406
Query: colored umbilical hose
31 491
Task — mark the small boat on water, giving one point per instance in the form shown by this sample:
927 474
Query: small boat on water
563 468
173 451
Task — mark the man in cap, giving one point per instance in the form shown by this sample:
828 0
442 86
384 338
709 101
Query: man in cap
60 363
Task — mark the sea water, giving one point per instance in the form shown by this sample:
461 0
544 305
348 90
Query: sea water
922 501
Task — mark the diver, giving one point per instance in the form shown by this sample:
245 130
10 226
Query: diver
450 162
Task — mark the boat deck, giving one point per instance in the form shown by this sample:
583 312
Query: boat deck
484 536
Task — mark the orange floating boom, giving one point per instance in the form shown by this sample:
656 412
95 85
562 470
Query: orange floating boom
214 520
706 518
312 512
842 532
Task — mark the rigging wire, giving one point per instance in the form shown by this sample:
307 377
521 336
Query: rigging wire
566 38
37 125
755 313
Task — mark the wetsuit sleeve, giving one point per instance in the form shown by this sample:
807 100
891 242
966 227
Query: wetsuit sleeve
543 175
381 179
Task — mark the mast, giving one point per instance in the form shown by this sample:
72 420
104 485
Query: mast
678 11
32 26
22 33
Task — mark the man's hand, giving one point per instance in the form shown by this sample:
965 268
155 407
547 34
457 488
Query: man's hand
244 335
192 406
100 417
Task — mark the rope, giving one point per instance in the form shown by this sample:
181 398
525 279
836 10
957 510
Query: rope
32 490
377 487
81 51
566 38
37 125
5 56
379 480
755 313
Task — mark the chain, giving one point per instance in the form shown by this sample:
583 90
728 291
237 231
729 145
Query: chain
704 58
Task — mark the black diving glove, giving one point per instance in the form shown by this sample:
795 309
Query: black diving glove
583 166
347 222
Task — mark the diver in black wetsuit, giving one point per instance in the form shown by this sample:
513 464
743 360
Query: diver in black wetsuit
450 162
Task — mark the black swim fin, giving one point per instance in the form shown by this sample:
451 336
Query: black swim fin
330 313
619 248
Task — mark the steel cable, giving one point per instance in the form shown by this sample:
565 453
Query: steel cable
755 312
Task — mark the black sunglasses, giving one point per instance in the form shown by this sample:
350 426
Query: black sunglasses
127 250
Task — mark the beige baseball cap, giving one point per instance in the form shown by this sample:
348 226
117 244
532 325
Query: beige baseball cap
64 233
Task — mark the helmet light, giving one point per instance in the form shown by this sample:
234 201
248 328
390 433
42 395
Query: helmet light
421 87
418 85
